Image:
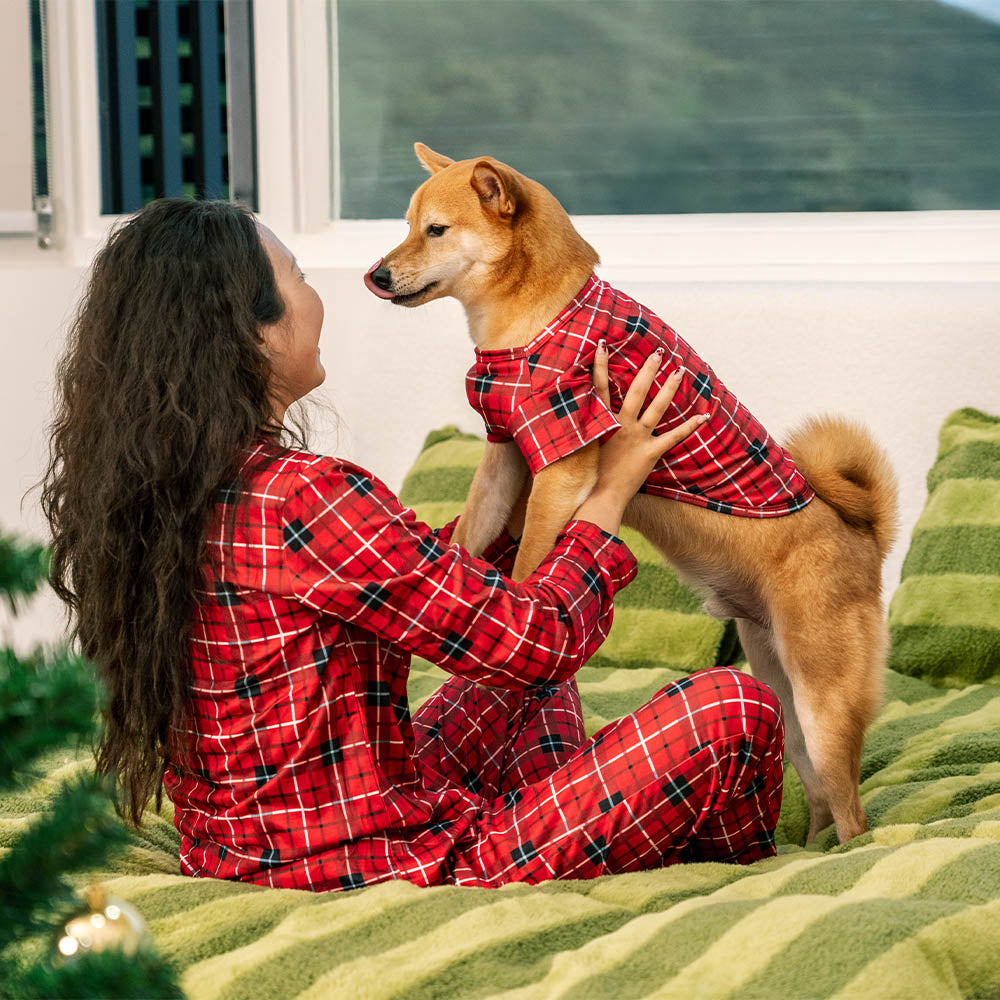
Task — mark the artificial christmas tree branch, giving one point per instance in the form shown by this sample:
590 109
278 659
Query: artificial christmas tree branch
48 698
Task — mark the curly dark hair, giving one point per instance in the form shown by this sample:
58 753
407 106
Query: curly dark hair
163 383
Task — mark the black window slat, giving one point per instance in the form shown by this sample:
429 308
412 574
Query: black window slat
205 37
164 39
163 114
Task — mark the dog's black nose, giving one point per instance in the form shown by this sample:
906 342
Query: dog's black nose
383 278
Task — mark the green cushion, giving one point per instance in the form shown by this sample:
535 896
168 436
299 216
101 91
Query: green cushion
658 621
945 616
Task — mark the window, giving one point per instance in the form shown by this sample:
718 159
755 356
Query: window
334 109
675 106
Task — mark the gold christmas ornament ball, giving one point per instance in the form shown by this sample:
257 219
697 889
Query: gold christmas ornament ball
107 923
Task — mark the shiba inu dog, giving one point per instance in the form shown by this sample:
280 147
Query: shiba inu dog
789 540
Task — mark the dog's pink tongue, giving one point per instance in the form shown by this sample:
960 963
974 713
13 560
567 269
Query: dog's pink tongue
372 287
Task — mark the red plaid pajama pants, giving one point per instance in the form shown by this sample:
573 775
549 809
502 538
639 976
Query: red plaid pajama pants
694 774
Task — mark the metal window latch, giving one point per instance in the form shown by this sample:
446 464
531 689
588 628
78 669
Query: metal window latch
44 222
41 200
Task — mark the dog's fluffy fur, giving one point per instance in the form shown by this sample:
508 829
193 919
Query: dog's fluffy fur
805 589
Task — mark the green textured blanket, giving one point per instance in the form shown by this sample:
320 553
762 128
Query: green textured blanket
910 910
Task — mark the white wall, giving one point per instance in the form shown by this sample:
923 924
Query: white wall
897 355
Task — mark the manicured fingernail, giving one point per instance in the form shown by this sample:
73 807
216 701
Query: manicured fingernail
602 345
676 373
659 350
703 418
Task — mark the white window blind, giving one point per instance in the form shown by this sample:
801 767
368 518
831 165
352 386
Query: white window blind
16 215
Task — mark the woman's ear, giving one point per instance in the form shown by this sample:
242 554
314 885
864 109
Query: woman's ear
270 339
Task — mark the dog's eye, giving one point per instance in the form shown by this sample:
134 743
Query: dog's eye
433 230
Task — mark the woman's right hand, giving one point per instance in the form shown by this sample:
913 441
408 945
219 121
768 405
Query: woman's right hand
628 457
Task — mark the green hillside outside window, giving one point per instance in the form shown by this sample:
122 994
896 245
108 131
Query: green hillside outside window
677 106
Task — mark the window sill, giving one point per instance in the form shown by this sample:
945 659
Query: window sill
961 246
890 246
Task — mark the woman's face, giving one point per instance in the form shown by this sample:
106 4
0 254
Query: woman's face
293 342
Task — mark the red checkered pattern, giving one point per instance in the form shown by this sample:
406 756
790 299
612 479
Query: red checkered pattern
694 774
542 396
298 765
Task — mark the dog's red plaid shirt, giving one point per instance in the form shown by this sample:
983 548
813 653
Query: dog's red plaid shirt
296 767
542 396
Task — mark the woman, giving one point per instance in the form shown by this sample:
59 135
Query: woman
252 609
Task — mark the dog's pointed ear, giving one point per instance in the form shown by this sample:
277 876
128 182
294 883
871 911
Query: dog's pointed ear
497 188
433 162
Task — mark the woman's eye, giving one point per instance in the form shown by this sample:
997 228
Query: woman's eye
433 230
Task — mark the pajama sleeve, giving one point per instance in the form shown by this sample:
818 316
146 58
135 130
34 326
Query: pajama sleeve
501 552
561 417
351 550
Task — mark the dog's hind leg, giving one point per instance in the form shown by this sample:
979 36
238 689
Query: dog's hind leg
766 667
835 665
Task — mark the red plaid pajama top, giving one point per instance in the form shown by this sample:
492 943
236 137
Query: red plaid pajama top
296 767
542 397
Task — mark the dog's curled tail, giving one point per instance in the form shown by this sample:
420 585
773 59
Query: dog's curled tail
851 472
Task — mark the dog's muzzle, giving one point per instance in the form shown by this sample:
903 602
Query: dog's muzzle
378 280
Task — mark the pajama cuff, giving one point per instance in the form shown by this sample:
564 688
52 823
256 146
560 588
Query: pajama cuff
502 550
614 558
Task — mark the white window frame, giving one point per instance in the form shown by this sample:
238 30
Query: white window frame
295 46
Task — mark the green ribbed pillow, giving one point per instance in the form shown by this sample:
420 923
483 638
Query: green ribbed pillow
658 621
945 616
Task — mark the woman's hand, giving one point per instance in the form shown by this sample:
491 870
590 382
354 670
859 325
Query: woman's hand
628 457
